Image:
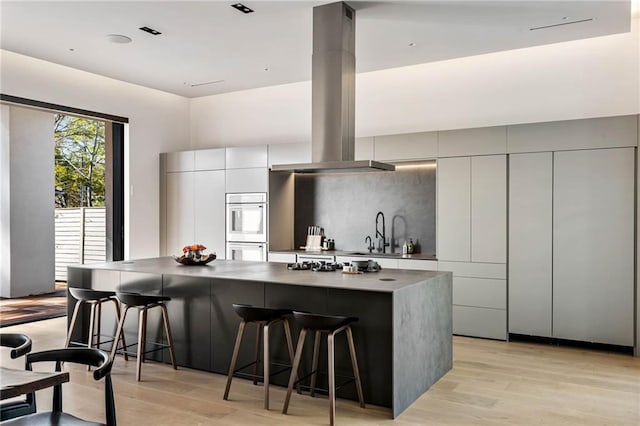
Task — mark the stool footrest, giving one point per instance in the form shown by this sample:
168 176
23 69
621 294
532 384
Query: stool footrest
240 374
160 346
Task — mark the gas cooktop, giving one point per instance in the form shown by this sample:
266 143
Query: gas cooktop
315 266
322 266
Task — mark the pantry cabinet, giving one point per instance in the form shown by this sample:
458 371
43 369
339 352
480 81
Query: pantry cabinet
193 201
593 245
530 243
571 248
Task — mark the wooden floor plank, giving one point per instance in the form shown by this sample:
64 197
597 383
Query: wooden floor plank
491 383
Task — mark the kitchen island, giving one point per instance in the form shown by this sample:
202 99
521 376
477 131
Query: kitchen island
403 338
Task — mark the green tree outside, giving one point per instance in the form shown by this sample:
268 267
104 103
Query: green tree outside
79 162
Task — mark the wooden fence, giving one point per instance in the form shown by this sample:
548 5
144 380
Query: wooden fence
80 237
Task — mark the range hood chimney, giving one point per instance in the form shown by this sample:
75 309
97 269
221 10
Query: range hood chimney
333 78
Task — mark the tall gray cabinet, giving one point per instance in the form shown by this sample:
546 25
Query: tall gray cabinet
571 245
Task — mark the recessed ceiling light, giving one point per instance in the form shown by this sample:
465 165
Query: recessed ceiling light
412 44
206 83
242 8
267 69
71 49
150 30
561 24
118 38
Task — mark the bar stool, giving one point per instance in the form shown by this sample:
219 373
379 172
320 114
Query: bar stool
331 325
143 303
95 298
263 318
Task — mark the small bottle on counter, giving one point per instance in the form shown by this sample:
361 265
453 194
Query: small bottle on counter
405 248
410 246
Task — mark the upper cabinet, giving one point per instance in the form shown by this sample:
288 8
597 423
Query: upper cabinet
605 132
472 211
210 159
182 161
409 146
289 153
247 157
479 141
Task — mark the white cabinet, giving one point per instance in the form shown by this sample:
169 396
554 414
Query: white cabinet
489 209
470 142
571 245
530 243
454 209
180 218
409 146
479 298
210 159
209 211
247 180
182 161
472 211
289 153
418 265
593 245
246 157
277 257
195 211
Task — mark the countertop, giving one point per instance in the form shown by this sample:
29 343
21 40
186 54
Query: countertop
363 254
387 280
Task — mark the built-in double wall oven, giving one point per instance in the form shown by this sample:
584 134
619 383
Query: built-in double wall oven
247 226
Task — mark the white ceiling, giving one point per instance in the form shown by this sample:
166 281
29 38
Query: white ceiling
205 41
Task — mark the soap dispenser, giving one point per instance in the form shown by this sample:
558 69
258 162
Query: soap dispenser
405 248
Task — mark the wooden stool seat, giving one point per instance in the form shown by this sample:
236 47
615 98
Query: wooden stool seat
95 299
331 325
263 318
143 303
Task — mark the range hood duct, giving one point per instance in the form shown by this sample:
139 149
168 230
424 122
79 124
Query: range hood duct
333 80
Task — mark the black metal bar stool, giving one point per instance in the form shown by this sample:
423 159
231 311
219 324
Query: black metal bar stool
263 318
94 298
143 303
331 325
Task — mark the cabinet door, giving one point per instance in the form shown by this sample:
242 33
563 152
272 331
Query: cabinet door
289 153
209 210
246 157
409 146
182 161
489 209
593 245
180 212
530 243
210 159
454 209
247 180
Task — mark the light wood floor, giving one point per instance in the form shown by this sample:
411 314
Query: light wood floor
491 383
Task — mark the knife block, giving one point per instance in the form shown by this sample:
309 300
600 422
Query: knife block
314 242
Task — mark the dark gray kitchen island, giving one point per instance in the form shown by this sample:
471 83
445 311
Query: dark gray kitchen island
403 338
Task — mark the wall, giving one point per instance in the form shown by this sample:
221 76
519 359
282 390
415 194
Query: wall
158 122
345 204
30 197
587 78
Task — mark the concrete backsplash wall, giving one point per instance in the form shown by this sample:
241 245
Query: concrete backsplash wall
345 205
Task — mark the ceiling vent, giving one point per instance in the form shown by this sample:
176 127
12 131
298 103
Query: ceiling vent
150 30
242 8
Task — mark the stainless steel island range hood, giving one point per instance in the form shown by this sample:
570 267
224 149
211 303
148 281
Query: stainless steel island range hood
333 78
